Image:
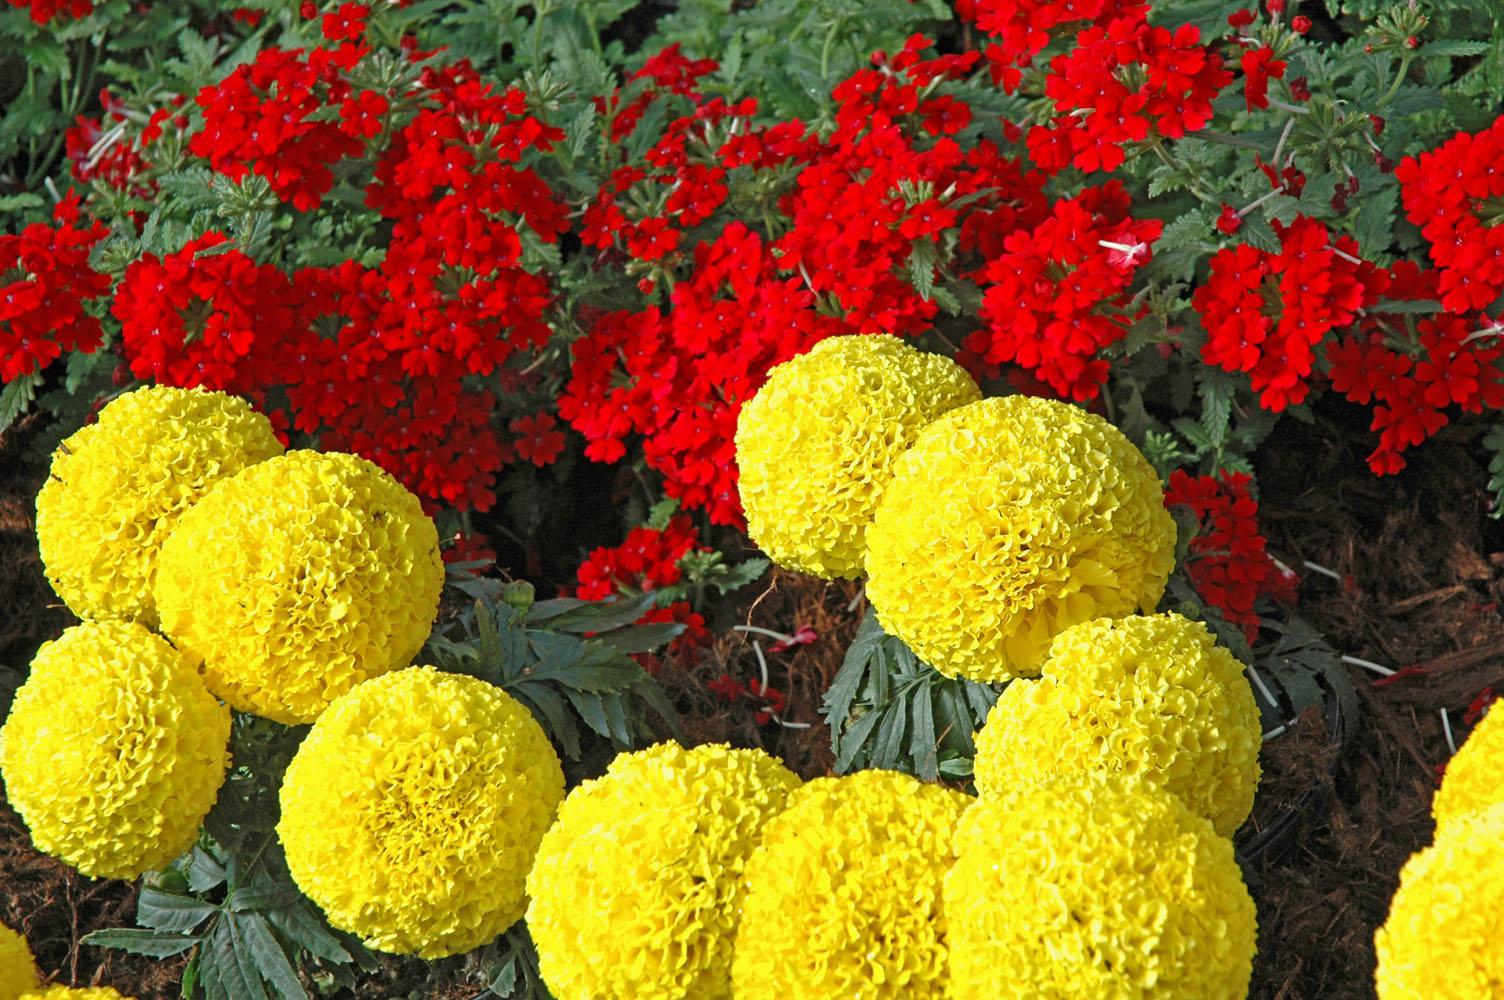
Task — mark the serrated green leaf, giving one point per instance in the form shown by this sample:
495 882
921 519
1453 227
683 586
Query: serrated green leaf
16 398
271 962
155 944
167 911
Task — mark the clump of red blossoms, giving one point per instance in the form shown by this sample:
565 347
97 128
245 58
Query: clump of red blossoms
1266 313
1125 82
1059 291
648 560
43 11
1455 194
45 280
1228 563
1020 29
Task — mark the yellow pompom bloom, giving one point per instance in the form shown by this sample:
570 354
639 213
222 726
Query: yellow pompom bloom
114 751
412 811
1474 780
816 446
1442 939
76 993
637 888
118 487
1149 696
1096 887
298 579
18 972
843 892
1009 521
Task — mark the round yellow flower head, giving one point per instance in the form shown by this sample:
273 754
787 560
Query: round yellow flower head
1009 521
1153 696
76 993
18 972
114 751
816 446
637 888
1475 777
843 893
118 486
298 579
1095 886
1441 941
412 811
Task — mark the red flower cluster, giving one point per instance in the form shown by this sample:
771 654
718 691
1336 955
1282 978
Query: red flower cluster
105 149
1059 291
43 11
193 317
1229 564
45 280
1134 80
1259 67
1020 28
648 560
379 360
1411 393
679 378
1266 313
264 118
1455 194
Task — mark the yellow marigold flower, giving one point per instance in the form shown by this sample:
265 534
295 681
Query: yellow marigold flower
76 993
637 888
1150 696
1475 777
118 486
1095 886
412 811
1009 521
298 579
18 972
843 893
1441 941
816 446
114 751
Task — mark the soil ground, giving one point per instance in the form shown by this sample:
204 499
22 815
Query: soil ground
1419 576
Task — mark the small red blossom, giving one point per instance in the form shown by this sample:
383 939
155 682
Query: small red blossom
537 440
1259 67
1228 220
45 282
43 11
348 23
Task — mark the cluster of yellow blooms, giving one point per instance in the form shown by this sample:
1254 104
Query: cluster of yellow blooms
1005 539
1442 938
985 526
18 976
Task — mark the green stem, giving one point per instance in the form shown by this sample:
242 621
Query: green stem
1399 79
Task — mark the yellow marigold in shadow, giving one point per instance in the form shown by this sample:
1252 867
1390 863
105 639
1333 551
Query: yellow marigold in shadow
1442 938
118 487
18 972
298 579
76 993
1096 887
412 811
843 892
816 446
114 751
637 889
1009 521
1474 779
1148 696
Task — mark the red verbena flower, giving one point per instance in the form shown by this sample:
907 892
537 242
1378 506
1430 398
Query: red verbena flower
45 281
1228 561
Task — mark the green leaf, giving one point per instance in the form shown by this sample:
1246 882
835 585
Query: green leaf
156 944
16 398
1494 442
271 962
1374 226
166 911
20 202
641 638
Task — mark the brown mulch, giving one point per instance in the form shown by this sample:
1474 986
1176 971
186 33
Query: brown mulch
1421 578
